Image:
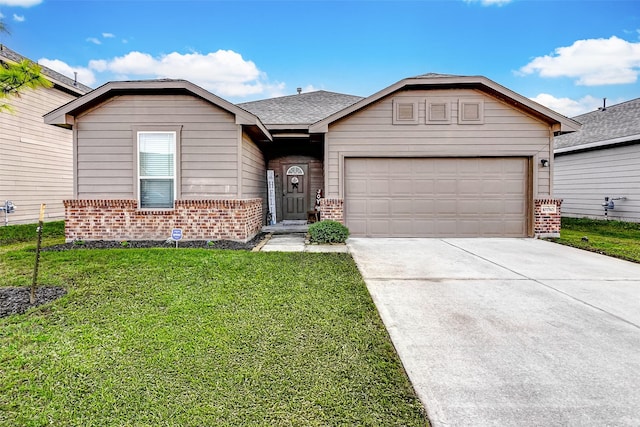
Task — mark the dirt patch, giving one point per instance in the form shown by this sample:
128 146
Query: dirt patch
16 300
140 244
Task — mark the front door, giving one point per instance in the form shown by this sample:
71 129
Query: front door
295 201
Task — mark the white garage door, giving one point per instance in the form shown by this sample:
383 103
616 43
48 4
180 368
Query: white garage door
436 197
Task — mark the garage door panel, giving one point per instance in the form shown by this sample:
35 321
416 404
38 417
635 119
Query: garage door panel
379 227
380 207
379 187
446 207
401 207
401 227
515 207
424 206
436 197
422 187
469 186
357 208
356 187
401 187
358 227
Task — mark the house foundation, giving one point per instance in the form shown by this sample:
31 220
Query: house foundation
237 219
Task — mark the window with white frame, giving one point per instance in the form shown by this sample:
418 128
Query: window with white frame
156 169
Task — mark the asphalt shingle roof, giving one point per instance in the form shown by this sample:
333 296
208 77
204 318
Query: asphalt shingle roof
11 55
617 121
300 109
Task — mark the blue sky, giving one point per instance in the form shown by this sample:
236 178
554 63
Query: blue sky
567 55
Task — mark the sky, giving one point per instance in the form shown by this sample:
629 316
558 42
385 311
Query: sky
566 54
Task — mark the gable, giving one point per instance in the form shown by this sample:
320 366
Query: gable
439 113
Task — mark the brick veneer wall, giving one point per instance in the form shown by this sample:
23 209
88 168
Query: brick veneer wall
199 220
547 224
332 209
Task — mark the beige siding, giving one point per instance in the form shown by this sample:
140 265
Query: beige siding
583 180
35 159
505 132
254 172
107 139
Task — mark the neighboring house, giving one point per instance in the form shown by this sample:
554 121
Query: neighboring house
36 164
433 155
601 160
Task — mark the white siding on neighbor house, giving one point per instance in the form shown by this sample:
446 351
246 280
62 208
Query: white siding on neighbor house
106 144
36 159
505 132
583 180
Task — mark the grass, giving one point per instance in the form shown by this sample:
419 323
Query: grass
28 232
189 337
614 238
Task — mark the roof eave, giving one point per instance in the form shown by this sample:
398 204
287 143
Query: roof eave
64 115
607 143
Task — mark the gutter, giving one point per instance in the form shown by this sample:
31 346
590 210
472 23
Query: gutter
598 144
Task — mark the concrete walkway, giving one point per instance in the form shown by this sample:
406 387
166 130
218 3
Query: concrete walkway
510 332
295 242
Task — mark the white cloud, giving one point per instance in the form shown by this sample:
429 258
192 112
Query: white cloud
85 75
568 106
18 18
98 65
490 2
591 62
20 3
93 40
108 35
223 72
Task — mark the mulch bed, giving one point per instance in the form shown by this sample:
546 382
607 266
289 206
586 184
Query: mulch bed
142 244
15 300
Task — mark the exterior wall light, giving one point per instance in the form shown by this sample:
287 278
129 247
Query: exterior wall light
544 163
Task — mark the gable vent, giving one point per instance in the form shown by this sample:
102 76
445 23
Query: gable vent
405 112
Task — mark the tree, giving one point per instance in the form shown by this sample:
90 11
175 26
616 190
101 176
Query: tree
16 77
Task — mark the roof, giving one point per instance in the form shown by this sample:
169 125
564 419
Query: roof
62 81
612 125
65 115
437 81
300 109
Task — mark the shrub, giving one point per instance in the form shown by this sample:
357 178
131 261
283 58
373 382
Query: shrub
328 231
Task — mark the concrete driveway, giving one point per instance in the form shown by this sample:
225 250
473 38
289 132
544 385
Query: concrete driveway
510 332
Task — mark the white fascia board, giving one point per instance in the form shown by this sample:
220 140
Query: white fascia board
598 144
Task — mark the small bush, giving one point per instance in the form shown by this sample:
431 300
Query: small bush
328 231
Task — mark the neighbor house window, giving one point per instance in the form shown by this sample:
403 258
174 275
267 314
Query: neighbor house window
156 169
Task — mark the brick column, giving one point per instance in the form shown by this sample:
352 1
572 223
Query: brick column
332 209
547 217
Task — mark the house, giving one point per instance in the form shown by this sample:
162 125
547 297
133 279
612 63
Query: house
432 155
36 159
601 161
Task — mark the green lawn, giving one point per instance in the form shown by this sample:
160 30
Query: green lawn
613 238
189 337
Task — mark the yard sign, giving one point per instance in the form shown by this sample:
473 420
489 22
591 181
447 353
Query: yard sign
271 187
